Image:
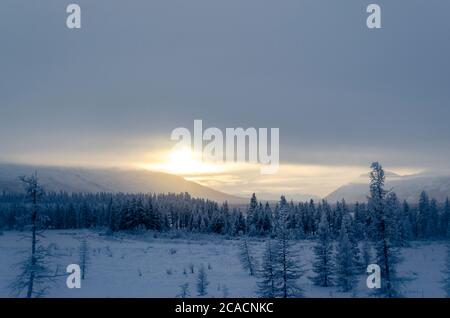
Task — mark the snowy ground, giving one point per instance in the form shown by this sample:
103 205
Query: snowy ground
155 266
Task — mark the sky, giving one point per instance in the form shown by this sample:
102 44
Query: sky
342 95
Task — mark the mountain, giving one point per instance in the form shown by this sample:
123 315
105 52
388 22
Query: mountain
107 180
406 187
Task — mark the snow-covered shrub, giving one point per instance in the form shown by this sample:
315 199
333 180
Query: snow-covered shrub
173 251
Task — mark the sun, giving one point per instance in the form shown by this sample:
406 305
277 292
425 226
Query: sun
183 161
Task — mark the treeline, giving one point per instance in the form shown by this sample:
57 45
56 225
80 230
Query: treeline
163 212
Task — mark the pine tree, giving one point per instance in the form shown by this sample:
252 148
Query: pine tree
323 265
202 282
267 284
382 231
247 260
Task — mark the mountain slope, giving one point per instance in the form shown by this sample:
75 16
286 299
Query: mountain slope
107 180
406 187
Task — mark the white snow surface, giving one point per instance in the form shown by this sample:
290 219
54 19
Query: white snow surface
155 265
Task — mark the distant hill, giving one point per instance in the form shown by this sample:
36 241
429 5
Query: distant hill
107 180
406 187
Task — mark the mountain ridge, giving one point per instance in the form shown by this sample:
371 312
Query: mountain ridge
406 187
76 180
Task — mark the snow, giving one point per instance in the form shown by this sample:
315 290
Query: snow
152 265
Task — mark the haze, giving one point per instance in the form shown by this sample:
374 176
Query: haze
110 94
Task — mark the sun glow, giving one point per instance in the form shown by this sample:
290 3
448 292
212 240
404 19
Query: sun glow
185 162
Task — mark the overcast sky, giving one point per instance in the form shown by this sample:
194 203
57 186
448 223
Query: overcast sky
340 93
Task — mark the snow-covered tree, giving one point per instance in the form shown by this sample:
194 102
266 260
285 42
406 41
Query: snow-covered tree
267 284
348 225
405 227
34 274
184 291
225 291
202 281
383 232
360 217
252 215
84 257
346 268
423 215
366 251
445 219
287 270
245 255
446 280
323 265
393 214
